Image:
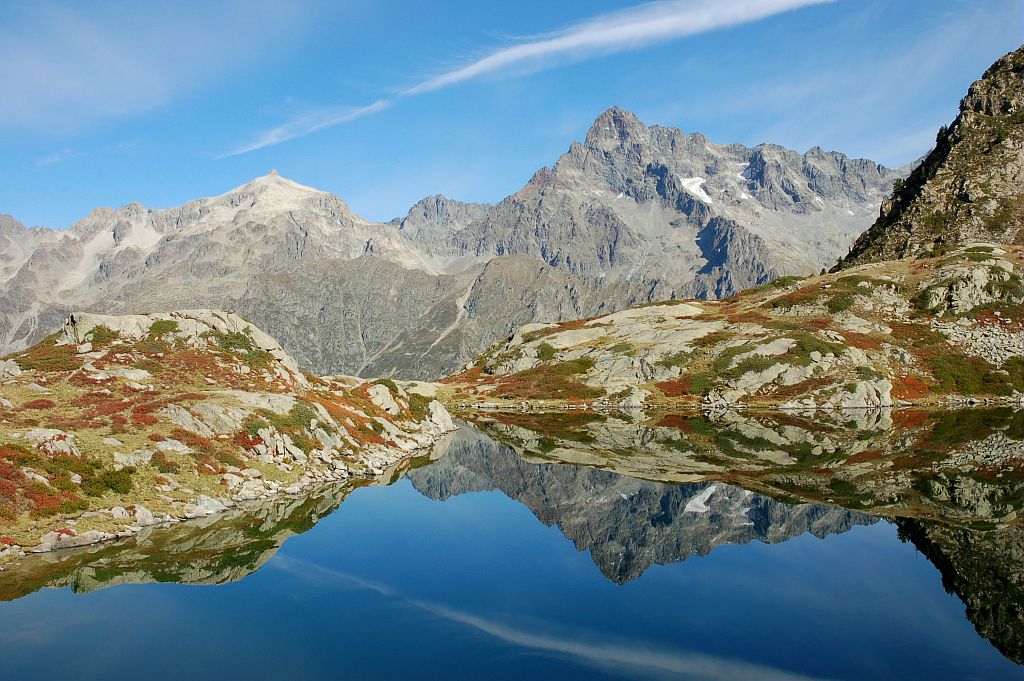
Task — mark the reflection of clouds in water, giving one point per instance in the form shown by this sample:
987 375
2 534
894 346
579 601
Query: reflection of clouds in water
621 655
32 630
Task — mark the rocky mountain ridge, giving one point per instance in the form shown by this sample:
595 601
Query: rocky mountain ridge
969 188
631 214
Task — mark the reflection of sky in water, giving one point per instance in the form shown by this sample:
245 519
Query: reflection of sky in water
394 585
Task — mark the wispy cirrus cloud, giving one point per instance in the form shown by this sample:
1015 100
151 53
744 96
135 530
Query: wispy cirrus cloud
629 29
310 122
55 158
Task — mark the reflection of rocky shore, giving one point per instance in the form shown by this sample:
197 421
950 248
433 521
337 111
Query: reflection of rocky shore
986 570
213 550
626 524
962 468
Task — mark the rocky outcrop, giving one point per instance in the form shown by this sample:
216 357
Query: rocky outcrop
969 188
118 423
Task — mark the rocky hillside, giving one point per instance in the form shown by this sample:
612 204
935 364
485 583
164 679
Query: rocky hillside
118 423
631 214
971 186
940 330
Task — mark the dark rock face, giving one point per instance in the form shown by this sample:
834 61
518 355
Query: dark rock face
971 186
627 525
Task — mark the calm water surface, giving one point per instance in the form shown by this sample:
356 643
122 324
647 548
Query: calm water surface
484 566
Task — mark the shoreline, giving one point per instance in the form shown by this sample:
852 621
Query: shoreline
57 541
540 406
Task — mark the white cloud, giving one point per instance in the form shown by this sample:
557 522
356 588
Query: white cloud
55 157
633 28
310 122
67 66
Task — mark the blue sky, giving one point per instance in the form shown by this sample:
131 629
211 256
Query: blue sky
383 102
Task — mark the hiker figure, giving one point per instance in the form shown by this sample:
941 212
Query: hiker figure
74 328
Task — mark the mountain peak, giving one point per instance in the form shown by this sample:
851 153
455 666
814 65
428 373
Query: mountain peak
274 188
615 125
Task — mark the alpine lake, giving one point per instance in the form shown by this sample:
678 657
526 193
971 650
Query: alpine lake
874 545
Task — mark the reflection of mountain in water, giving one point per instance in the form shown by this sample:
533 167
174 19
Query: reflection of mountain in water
986 570
212 550
626 524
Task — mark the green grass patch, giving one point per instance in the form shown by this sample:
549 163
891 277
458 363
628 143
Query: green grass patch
241 345
109 480
965 375
624 348
676 359
389 384
49 357
162 327
299 416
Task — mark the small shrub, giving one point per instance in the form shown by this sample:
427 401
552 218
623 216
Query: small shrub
545 352
840 303
40 404
253 425
162 327
298 417
115 481
909 388
687 384
101 335
755 364
164 464
1015 368
387 383
241 345
967 375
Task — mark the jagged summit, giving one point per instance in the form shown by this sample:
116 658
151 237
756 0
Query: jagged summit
971 186
614 125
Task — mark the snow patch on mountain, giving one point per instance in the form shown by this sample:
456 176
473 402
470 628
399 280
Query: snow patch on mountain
699 504
695 185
